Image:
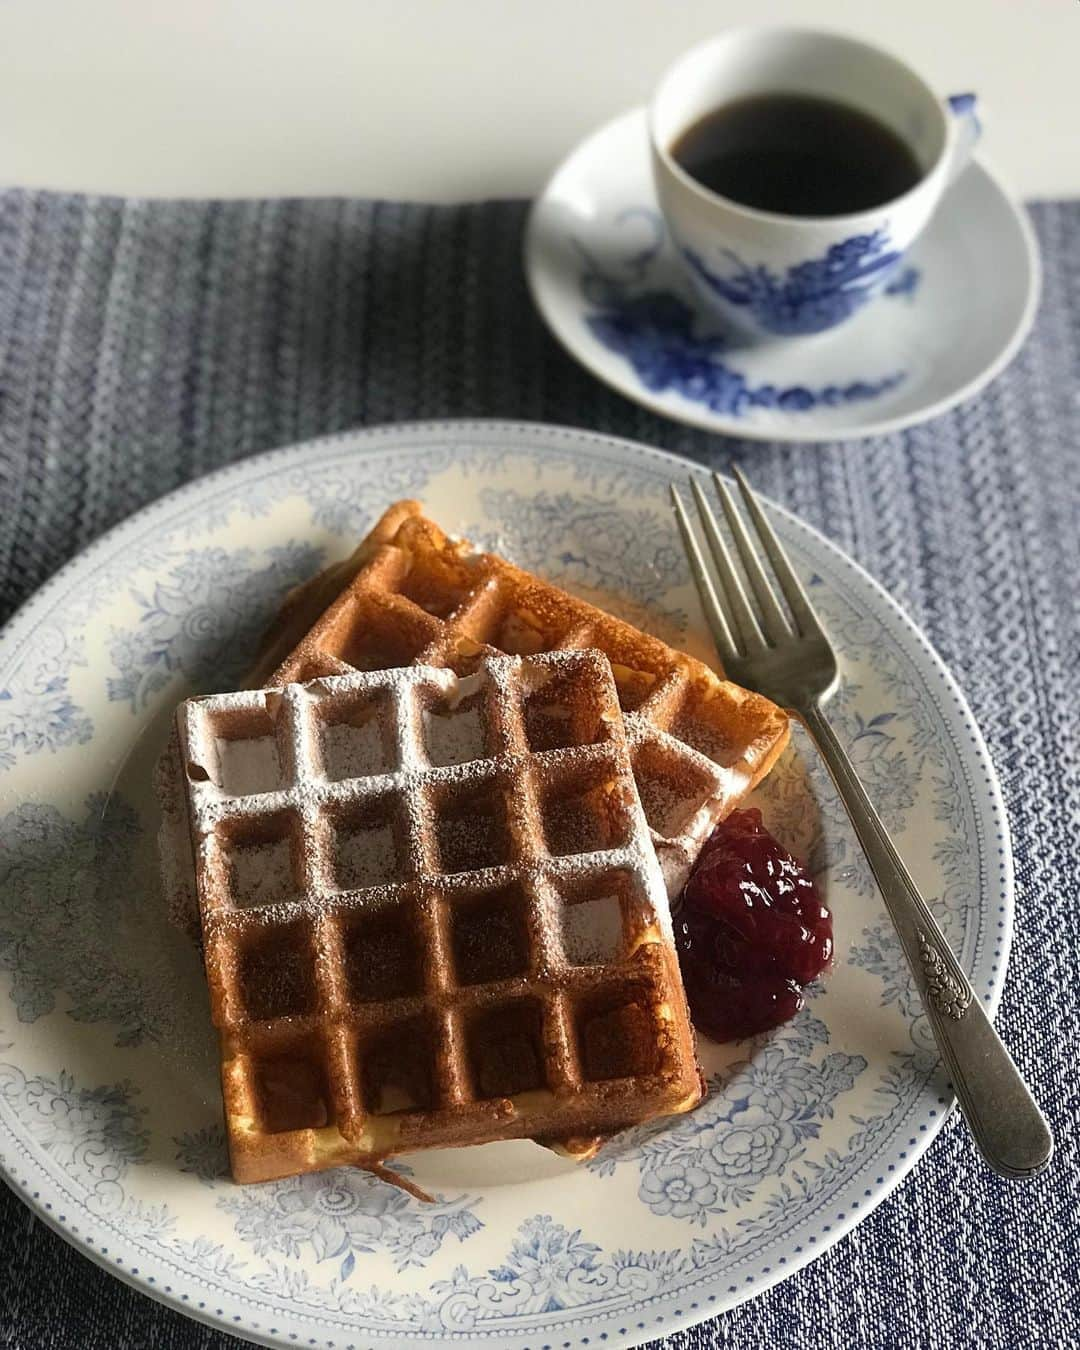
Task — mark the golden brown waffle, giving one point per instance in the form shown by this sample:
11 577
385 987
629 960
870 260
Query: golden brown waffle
411 594
425 924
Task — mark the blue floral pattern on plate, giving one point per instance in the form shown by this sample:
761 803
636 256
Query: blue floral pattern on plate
203 618
64 876
753 1126
96 1134
37 711
343 1213
97 1079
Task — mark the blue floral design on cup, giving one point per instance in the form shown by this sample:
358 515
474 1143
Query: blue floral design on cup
658 333
809 296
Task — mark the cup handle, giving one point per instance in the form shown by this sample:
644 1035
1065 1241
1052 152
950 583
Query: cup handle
964 111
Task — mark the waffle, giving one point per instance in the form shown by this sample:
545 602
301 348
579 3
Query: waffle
424 924
411 594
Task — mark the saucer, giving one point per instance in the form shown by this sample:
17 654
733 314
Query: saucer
607 281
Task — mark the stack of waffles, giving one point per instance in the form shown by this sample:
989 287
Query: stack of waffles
433 848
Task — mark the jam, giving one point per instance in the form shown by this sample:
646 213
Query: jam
751 931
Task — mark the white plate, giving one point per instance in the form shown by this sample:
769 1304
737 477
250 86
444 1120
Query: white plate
110 1118
611 288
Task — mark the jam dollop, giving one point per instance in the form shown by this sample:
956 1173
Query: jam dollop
751 931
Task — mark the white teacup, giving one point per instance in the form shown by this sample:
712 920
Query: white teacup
787 275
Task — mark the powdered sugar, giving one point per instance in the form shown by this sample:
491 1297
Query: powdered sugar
549 726
354 751
666 809
260 874
592 930
363 745
248 765
455 736
471 832
366 856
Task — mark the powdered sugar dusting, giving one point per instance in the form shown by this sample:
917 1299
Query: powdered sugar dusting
549 726
249 765
260 874
350 751
454 737
666 809
592 930
363 745
366 857
472 834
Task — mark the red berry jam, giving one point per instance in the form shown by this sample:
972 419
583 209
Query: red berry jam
751 932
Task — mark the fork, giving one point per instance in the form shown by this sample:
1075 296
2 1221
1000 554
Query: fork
787 656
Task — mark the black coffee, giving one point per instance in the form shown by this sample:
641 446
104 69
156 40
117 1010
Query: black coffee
797 155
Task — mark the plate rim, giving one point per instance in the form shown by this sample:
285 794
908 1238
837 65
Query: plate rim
789 434
538 438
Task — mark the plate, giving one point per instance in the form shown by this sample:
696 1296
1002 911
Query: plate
611 288
110 1116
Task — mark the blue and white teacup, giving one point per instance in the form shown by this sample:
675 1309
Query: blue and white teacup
785 275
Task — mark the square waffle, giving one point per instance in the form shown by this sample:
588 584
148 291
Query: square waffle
412 594
427 919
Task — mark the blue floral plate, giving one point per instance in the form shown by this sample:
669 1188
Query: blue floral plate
609 285
110 1115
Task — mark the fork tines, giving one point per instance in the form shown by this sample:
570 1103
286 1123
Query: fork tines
743 626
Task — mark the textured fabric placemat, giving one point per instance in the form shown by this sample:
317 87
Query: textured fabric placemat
143 343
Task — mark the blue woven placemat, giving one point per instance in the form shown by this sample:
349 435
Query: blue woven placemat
143 343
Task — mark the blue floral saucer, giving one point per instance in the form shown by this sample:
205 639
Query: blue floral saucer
608 283
110 1111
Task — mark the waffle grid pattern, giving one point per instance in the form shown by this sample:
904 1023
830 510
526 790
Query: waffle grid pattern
385 998
410 594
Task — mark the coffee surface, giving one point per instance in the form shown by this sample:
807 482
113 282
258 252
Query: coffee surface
797 155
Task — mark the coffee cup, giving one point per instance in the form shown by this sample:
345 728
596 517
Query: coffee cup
784 262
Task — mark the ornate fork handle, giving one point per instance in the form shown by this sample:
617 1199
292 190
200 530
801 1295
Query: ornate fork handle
1000 1111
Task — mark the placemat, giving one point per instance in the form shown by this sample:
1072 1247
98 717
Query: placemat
143 343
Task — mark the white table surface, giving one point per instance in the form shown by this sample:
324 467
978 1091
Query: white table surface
448 99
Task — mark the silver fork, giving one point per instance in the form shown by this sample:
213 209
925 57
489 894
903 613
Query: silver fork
787 657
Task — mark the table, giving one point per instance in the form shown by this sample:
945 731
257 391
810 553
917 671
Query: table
426 99
232 99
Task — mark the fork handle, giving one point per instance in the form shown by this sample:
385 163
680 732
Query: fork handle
1008 1126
